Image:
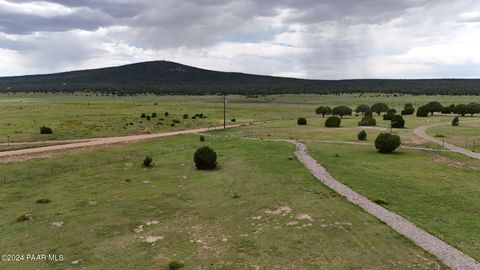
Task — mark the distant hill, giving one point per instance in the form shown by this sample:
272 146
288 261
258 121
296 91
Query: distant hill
163 77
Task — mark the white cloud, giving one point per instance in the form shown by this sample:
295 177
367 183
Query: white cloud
38 8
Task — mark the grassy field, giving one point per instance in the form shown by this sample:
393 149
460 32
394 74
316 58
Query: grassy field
258 210
87 115
466 135
436 191
316 131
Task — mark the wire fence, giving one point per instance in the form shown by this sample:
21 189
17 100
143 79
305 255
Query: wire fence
50 171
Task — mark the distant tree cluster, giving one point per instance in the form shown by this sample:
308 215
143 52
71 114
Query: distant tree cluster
459 109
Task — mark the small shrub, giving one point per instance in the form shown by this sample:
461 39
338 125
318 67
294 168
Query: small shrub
455 121
143 115
233 120
176 121
397 121
46 130
42 201
185 116
362 135
202 138
301 121
175 265
131 124
439 136
333 121
24 217
172 124
166 114
154 114
205 158
367 120
148 162
148 118
194 117
387 143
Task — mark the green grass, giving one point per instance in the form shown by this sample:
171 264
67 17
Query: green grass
436 191
315 130
466 135
87 115
208 219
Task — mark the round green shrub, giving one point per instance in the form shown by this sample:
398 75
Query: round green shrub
205 158
333 121
422 111
362 135
387 143
367 120
301 121
185 116
46 130
148 162
154 114
455 121
202 138
398 121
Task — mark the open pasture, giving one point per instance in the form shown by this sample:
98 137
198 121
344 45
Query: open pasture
259 209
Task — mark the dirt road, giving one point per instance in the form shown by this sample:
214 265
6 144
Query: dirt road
29 153
422 133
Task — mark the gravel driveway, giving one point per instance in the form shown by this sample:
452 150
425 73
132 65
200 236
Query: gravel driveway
449 255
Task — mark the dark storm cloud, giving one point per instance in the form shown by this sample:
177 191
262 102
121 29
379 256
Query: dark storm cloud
309 38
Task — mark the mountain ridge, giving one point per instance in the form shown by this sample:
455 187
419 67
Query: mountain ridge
165 77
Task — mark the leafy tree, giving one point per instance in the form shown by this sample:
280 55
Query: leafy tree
387 143
379 108
323 110
448 109
333 121
455 121
408 109
388 116
433 107
460 109
397 121
473 108
422 111
367 120
363 108
362 135
392 111
342 110
205 158
301 121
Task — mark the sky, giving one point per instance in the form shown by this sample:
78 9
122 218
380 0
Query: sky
316 39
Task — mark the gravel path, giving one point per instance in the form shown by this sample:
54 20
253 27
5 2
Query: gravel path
449 255
422 133
29 153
